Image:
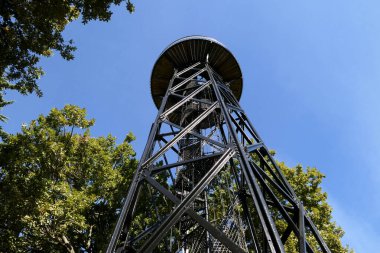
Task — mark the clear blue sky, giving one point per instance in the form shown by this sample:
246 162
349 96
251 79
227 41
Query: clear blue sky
311 85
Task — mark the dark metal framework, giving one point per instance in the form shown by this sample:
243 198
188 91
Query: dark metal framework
206 181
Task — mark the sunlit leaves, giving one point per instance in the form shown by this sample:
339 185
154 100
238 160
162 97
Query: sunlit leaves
60 187
307 186
31 29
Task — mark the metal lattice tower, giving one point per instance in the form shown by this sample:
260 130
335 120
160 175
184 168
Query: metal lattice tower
206 182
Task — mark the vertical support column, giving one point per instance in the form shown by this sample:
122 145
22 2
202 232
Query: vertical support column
129 205
267 222
301 227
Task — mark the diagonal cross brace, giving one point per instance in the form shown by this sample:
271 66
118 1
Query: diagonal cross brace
187 69
156 170
269 227
187 79
181 134
183 206
216 233
184 100
200 136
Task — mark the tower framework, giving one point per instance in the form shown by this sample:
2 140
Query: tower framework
206 182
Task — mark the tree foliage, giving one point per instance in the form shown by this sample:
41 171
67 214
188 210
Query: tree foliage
307 186
60 187
32 29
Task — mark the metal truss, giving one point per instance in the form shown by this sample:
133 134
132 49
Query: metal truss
206 182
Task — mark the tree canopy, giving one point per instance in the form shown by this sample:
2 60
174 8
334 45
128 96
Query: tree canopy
30 30
307 186
60 187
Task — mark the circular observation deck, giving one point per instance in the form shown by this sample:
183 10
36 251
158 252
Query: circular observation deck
186 51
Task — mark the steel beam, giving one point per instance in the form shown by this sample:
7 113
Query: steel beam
176 214
181 134
131 199
271 233
260 185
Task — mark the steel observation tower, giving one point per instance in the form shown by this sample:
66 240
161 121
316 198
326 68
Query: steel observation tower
206 182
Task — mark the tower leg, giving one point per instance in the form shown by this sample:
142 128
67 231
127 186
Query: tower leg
212 183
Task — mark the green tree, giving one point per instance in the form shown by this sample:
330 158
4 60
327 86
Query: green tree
60 187
307 186
32 29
